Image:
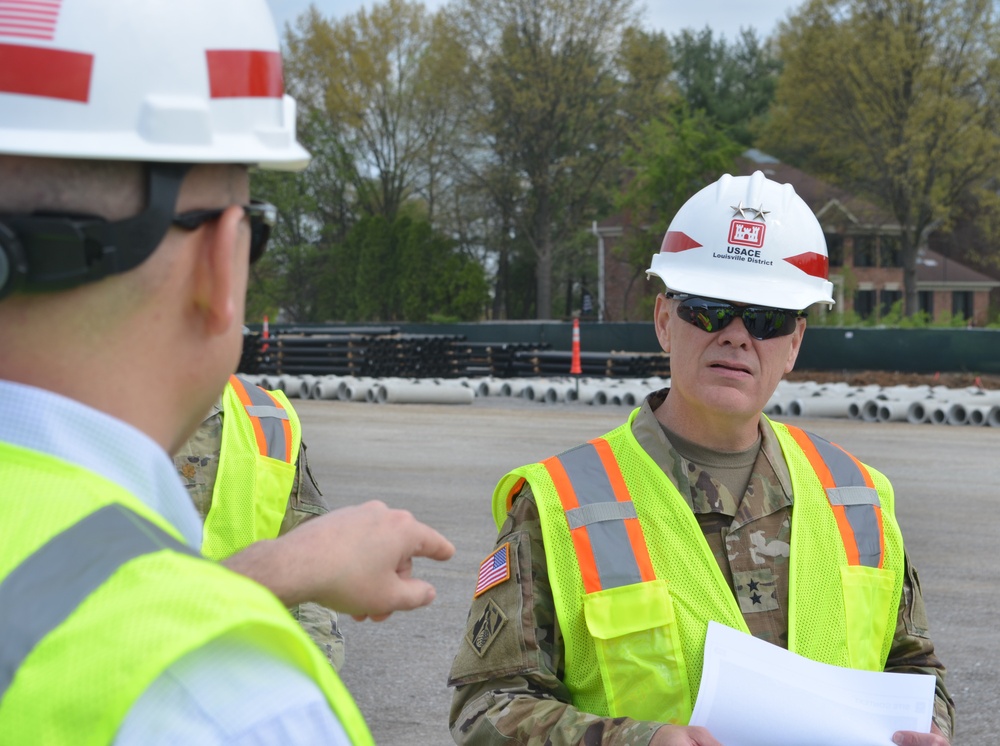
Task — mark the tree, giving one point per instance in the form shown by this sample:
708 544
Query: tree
315 211
403 270
674 157
895 99
376 78
547 95
732 83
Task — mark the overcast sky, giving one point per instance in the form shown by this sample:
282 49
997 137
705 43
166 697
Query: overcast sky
724 17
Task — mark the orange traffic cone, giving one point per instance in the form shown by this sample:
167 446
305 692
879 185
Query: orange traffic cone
574 366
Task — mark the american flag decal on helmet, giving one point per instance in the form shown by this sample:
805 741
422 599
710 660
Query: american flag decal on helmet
36 70
29 19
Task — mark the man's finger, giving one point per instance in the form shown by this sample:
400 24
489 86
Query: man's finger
433 545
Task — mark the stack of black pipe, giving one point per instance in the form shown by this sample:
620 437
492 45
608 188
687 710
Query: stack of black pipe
385 352
593 364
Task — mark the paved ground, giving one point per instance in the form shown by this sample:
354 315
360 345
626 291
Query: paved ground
441 463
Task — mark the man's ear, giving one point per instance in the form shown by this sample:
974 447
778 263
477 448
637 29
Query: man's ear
661 315
793 352
221 249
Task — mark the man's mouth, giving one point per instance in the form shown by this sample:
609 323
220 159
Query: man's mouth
731 366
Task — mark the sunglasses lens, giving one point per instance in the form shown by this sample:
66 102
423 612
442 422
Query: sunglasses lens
765 323
706 315
259 233
761 323
262 216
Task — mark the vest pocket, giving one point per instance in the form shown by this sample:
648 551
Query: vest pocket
271 490
639 652
868 596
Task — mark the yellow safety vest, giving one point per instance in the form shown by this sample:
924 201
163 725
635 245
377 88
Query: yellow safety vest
635 583
99 596
261 435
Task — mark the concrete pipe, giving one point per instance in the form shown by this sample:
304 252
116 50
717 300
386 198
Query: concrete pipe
372 391
993 418
938 413
415 392
774 408
326 388
587 394
491 387
354 389
957 414
895 393
869 410
819 406
535 389
894 410
554 394
514 387
306 384
919 411
978 415
289 384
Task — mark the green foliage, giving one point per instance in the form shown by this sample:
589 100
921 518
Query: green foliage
403 271
674 157
549 105
733 84
894 99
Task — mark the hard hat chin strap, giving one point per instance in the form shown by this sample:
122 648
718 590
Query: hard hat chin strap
44 252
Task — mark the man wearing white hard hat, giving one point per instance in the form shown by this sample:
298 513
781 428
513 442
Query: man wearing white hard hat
126 231
590 615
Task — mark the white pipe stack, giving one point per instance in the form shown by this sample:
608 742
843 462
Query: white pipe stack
993 418
819 406
894 410
351 388
327 387
491 387
416 392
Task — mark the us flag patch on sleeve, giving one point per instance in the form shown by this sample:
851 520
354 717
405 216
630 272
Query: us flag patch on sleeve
494 570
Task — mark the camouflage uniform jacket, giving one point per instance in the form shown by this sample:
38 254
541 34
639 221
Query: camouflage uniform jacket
508 672
198 463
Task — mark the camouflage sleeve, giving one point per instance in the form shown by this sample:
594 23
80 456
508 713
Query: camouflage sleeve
508 671
197 461
305 502
913 652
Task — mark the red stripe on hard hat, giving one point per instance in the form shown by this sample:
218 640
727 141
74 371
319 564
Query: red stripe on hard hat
50 73
235 73
811 263
676 241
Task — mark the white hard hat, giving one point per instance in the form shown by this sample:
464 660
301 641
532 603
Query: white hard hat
185 81
746 239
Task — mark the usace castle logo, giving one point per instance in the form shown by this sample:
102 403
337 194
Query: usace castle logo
743 232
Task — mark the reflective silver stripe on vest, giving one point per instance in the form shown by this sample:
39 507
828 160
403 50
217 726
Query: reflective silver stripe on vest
46 588
859 500
586 515
613 554
270 418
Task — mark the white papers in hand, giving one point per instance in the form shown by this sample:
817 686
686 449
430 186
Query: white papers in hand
753 693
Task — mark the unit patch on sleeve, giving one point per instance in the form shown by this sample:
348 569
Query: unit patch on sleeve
494 570
486 628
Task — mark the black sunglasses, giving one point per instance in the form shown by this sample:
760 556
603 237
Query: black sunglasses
262 215
711 316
